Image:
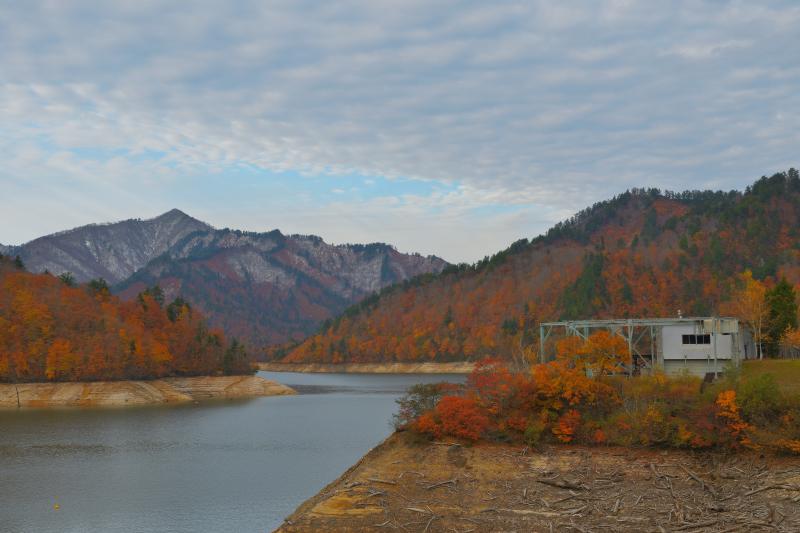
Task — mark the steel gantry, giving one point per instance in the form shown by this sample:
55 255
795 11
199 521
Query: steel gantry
641 334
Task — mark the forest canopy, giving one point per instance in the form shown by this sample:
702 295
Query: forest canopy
52 329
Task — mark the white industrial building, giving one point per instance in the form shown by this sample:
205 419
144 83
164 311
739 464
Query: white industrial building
702 346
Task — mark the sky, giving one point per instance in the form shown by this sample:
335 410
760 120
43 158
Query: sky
441 127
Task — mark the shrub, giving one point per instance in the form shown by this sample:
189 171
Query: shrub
419 399
560 403
567 426
760 399
454 416
533 432
462 418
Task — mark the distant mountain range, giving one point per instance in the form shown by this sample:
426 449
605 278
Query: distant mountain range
263 288
109 251
644 253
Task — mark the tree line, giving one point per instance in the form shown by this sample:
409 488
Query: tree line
52 329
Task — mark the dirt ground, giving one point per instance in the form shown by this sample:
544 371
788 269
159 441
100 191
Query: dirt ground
437 487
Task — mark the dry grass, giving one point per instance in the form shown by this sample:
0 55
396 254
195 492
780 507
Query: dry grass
785 371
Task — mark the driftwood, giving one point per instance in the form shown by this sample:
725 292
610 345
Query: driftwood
590 491
560 484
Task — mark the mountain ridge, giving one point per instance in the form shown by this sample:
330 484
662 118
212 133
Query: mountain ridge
269 287
642 253
112 251
262 287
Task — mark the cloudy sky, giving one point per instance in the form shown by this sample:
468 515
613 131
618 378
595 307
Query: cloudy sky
441 127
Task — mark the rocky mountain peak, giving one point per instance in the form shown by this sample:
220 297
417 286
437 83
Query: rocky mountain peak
112 251
268 287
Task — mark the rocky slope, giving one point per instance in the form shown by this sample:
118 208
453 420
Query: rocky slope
109 251
119 393
268 288
370 368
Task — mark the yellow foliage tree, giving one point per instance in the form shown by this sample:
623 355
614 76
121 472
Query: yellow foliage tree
791 340
605 353
601 353
748 303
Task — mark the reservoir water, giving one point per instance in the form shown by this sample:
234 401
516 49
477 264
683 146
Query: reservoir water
218 466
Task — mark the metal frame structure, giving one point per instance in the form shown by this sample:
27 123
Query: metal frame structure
634 330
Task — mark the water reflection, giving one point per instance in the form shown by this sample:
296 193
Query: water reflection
217 466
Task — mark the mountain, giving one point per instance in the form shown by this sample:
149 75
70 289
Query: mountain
268 288
262 288
644 253
110 251
7 250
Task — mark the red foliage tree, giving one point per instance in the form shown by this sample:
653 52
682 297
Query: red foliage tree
50 330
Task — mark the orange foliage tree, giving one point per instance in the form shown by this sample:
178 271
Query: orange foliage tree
602 353
53 330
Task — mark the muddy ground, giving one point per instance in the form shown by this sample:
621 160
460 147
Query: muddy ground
438 487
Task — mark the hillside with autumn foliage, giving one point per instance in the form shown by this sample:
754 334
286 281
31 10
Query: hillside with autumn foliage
644 253
52 329
262 288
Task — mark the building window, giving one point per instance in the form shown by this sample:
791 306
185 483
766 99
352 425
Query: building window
697 339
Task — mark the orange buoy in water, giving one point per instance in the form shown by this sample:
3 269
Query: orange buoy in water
56 506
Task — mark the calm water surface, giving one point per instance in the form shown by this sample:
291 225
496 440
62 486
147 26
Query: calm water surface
218 466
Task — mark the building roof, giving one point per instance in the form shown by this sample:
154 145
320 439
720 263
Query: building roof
639 321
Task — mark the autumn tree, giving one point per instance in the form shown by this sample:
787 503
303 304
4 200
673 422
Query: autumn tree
791 341
601 353
50 331
748 303
605 353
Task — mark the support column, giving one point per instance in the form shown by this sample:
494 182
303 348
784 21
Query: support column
541 344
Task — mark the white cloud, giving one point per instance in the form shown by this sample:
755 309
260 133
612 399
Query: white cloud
709 50
515 104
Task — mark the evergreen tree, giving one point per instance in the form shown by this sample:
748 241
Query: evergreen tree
98 287
175 309
234 359
67 279
155 292
782 305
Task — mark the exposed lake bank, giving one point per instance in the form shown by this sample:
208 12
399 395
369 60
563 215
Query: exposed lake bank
121 393
460 367
404 484
238 465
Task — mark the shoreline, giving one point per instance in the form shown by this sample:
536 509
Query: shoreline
444 486
461 367
137 392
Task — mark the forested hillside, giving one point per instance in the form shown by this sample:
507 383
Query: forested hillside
267 288
642 253
54 330
262 288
